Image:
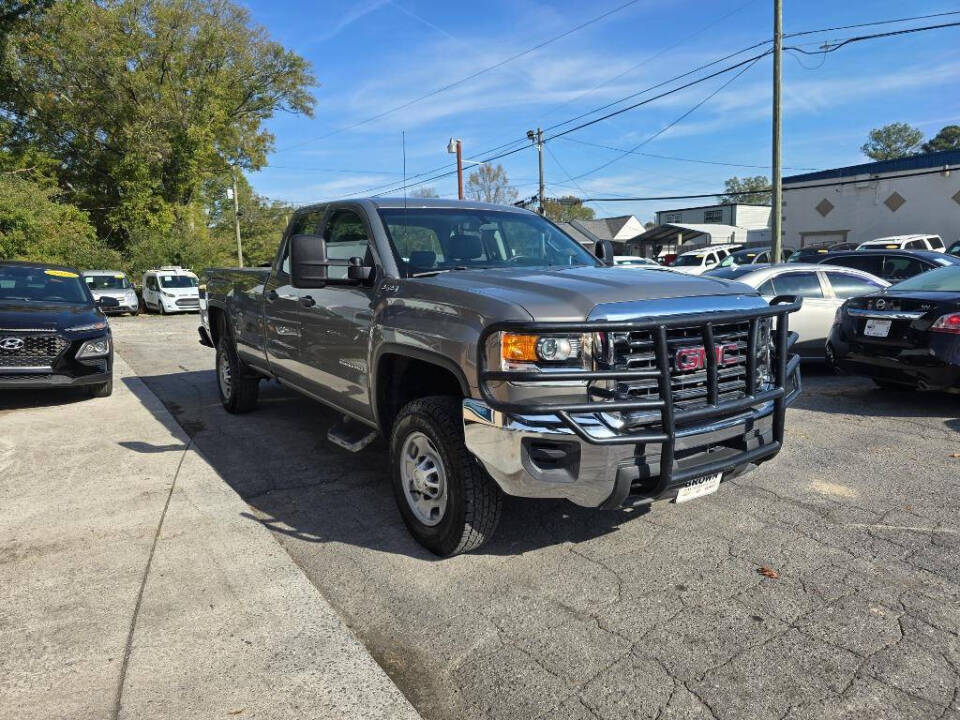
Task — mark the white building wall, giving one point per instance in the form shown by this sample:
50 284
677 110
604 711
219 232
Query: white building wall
863 210
753 217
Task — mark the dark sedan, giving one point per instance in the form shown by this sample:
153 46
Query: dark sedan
891 265
52 332
907 335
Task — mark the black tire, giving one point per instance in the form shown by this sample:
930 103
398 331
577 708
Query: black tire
160 308
102 390
239 394
474 500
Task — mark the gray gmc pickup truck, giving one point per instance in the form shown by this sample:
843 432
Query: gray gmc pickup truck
497 355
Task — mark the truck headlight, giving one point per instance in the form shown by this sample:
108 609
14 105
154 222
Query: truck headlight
550 350
98 347
764 351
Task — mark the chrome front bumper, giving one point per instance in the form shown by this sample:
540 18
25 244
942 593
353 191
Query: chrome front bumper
596 474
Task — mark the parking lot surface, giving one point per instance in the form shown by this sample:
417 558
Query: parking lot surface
576 613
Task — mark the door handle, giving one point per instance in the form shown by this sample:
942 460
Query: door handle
307 301
272 295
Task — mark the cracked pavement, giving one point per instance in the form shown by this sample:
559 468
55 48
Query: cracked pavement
574 613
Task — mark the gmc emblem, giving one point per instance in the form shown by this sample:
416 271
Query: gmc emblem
695 358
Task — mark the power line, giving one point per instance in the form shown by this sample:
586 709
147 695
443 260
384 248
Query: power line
671 124
471 76
676 158
836 46
869 24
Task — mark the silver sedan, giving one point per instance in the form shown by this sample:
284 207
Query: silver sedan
823 288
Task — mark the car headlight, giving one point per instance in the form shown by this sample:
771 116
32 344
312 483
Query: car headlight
764 351
98 325
97 347
838 315
169 295
547 350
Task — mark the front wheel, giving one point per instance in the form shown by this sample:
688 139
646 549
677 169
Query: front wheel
447 500
239 390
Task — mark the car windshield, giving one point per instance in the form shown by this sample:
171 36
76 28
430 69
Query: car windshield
177 281
106 282
945 279
742 258
37 284
431 240
688 261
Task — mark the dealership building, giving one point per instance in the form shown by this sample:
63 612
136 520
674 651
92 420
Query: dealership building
912 195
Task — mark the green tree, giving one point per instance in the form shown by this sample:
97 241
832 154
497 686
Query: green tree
490 184
947 139
262 222
892 141
35 226
749 190
567 208
142 101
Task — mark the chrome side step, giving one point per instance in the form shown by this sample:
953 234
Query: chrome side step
351 435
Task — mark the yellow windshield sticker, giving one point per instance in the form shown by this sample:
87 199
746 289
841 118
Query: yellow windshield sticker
60 273
119 277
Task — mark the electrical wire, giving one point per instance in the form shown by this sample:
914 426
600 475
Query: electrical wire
471 76
869 24
894 33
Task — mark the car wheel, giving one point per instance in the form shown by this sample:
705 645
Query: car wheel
447 500
239 390
102 390
160 308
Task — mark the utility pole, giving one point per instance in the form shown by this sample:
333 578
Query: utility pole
776 242
236 217
456 146
537 139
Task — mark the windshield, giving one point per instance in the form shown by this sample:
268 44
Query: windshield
431 240
177 281
688 261
945 279
106 282
34 284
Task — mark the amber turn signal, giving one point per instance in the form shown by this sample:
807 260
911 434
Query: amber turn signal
515 347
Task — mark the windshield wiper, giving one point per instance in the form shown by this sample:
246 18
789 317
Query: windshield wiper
429 273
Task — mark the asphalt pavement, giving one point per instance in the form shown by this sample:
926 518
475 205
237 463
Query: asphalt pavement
826 584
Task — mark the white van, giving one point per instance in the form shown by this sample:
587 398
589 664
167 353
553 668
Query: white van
904 242
697 262
170 290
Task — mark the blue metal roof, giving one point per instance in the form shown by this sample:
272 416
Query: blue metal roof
904 164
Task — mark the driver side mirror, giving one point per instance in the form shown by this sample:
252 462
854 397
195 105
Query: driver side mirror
604 251
308 261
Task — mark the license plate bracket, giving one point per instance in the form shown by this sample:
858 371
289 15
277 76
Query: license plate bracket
699 487
877 328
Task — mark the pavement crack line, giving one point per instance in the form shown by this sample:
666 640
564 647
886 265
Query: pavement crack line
128 646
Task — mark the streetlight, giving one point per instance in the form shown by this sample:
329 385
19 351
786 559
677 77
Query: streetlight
456 146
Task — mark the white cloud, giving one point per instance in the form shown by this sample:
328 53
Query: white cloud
356 12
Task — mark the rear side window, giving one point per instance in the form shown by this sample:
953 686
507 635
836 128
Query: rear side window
872 264
802 284
848 286
916 245
901 268
935 242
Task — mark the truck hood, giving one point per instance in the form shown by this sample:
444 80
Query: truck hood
570 294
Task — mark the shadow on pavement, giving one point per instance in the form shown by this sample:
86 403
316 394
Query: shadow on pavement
143 447
297 484
19 399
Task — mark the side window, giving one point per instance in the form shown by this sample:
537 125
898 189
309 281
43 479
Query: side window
418 247
916 245
872 264
802 284
152 282
766 289
901 268
346 238
307 224
935 242
285 259
848 286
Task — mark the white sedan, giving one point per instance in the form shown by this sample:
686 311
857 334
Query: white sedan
823 288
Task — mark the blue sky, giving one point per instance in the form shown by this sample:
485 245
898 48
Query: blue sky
372 55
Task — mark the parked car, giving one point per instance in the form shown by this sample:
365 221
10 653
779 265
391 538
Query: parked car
171 290
634 261
749 256
52 332
823 288
697 262
495 354
891 265
812 253
115 284
905 336
904 242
